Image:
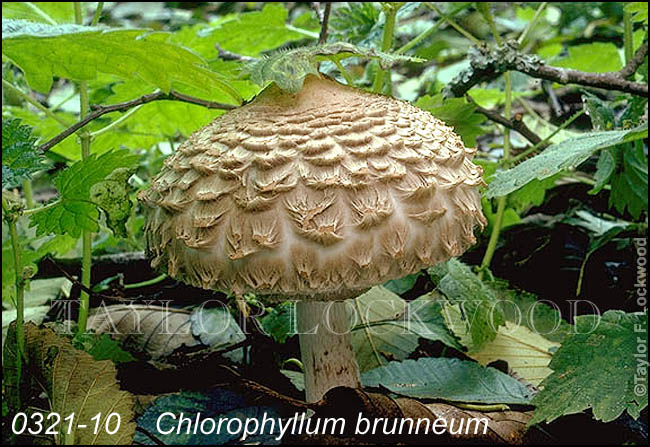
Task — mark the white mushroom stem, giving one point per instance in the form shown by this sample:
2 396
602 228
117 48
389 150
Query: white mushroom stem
327 354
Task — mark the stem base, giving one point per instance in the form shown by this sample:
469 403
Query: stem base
327 354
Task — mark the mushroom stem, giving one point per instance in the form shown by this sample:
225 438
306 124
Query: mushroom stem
327 354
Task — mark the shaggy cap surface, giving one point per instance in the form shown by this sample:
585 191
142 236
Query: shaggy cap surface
315 195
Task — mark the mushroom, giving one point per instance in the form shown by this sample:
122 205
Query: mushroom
314 197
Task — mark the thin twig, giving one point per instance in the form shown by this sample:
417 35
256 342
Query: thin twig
324 23
633 64
262 389
516 123
490 64
319 12
120 107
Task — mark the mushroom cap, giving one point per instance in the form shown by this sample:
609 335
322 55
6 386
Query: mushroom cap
317 195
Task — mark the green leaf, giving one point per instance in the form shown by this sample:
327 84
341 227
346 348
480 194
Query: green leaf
356 22
251 33
447 379
20 157
510 216
45 51
402 285
389 327
630 184
639 11
288 69
557 157
43 12
75 211
489 98
532 194
598 368
523 308
102 347
526 352
597 57
604 169
112 196
600 112
457 113
277 322
477 301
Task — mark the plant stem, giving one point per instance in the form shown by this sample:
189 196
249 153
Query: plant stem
390 11
425 34
10 218
98 14
483 407
531 24
114 123
303 31
8 85
628 36
453 24
86 236
344 72
505 161
28 193
564 125
146 283
34 210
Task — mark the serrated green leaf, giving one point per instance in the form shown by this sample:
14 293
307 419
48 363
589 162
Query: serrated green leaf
250 33
633 113
75 211
477 301
597 368
457 113
639 11
45 51
355 22
20 157
447 379
604 169
557 157
630 184
288 69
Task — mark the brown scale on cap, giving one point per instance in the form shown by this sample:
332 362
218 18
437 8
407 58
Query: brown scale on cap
317 195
